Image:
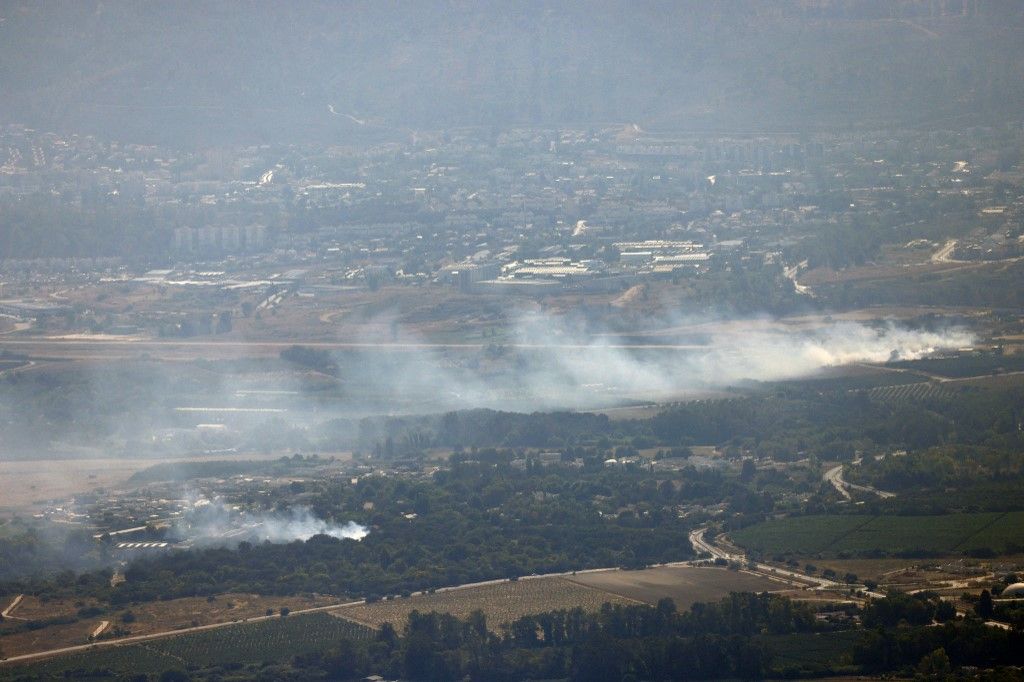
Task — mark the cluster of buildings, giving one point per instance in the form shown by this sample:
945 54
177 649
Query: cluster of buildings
212 240
627 263
517 210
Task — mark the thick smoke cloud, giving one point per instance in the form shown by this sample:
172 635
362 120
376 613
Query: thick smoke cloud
214 523
752 352
545 362
549 364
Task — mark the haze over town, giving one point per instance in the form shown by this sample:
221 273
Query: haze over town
511 341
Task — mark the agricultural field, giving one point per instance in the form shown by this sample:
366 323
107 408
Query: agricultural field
146 618
189 611
868 569
828 536
1006 530
804 535
107 663
966 365
502 603
685 585
17 641
905 392
277 639
811 652
270 640
859 378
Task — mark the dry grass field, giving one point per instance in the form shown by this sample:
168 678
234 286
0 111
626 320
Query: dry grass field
685 585
502 603
189 611
27 482
150 617
871 569
53 637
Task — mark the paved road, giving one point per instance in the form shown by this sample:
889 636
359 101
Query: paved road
116 348
78 648
835 477
124 641
697 539
702 544
791 274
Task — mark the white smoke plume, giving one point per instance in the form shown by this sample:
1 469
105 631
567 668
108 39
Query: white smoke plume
575 369
215 523
548 364
301 524
758 354
545 362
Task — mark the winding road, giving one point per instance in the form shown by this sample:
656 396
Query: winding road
835 477
802 580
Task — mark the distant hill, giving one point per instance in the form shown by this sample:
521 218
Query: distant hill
202 72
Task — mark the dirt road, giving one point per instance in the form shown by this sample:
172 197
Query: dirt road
13 605
945 253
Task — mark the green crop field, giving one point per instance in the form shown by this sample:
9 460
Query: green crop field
811 652
278 639
798 535
1006 530
828 536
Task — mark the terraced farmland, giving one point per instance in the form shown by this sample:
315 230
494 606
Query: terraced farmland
827 536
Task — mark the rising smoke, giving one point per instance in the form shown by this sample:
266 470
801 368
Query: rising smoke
215 523
755 351
549 365
545 362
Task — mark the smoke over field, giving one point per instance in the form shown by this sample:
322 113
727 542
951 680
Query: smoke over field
547 364
170 410
754 351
